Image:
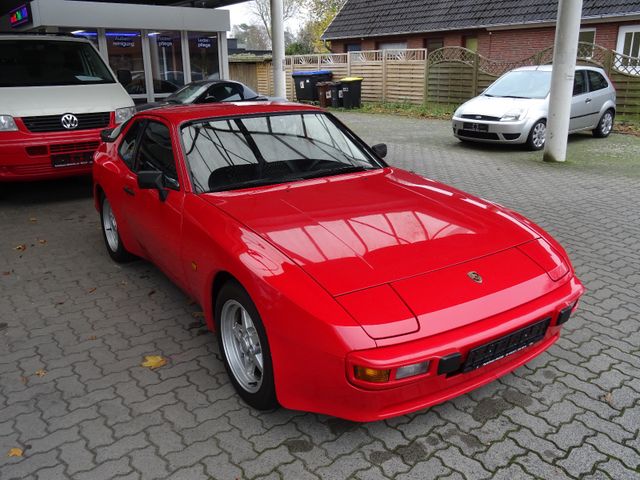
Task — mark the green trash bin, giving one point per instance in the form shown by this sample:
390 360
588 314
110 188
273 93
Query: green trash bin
351 91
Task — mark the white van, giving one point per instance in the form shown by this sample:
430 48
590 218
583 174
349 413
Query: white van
56 95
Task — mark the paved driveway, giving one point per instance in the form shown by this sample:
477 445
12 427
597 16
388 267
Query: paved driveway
74 327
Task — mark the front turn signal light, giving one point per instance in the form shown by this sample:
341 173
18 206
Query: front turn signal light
372 375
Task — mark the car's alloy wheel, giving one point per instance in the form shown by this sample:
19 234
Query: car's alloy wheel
110 233
244 346
538 135
605 126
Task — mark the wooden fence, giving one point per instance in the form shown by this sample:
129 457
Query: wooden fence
449 75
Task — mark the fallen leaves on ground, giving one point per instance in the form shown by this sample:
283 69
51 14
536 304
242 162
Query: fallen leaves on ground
154 361
20 248
152 292
197 314
92 337
91 290
6 273
33 220
42 241
24 380
608 398
16 452
41 372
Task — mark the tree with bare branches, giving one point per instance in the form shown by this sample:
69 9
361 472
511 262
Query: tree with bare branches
261 9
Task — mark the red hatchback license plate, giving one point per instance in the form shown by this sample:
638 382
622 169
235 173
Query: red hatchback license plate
505 346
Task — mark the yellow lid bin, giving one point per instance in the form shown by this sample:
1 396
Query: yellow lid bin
351 79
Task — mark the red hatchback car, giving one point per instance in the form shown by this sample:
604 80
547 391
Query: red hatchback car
335 283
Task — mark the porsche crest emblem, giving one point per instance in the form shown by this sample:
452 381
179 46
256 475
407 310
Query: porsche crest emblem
475 276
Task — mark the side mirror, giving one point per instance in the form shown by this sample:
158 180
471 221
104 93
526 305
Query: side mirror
152 180
380 150
105 135
124 76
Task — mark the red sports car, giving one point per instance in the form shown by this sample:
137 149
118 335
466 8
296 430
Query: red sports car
335 283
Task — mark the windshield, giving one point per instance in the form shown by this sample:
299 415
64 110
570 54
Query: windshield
187 94
521 84
251 151
35 63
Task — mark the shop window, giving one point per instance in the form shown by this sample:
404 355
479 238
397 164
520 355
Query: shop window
125 57
166 61
88 33
203 55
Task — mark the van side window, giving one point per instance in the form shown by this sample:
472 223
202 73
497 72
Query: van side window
156 153
597 81
127 148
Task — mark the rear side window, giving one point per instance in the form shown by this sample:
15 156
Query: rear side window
224 92
155 151
127 148
597 81
580 83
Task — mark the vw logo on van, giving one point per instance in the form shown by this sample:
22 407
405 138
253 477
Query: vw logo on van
69 121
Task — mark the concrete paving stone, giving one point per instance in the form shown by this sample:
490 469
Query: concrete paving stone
549 419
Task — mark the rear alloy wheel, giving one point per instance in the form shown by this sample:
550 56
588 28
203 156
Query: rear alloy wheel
244 347
605 125
110 234
538 135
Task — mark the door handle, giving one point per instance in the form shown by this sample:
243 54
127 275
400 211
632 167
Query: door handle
588 100
129 191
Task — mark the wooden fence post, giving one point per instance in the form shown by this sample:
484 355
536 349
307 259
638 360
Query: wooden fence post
475 79
348 64
426 78
384 76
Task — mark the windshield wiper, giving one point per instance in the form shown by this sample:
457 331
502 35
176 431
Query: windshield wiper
326 172
258 182
513 96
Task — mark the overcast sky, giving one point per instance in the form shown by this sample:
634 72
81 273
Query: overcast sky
241 13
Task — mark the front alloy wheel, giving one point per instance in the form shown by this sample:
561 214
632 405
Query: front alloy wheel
244 347
537 136
110 234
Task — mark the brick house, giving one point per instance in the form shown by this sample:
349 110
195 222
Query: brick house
509 30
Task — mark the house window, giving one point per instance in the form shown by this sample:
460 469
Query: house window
352 47
434 43
587 41
392 46
629 45
471 43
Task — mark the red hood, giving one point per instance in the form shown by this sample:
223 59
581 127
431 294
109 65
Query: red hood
350 232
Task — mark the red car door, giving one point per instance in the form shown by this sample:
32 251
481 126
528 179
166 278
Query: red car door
156 222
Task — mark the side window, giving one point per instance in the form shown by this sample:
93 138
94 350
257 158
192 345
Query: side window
127 148
597 81
223 92
580 83
156 153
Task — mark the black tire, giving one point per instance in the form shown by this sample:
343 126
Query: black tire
116 248
265 397
533 140
605 125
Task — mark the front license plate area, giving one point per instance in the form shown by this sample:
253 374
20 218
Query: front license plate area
476 127
71 159
505 346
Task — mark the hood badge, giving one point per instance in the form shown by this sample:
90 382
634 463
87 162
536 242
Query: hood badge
475 276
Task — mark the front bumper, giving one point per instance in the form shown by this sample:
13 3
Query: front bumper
338 396
491 131
27 156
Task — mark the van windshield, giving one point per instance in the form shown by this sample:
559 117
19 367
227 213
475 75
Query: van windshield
36 63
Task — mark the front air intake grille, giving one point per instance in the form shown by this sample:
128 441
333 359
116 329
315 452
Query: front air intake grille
480 135
53 123
486 118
